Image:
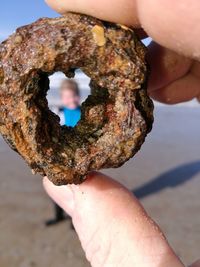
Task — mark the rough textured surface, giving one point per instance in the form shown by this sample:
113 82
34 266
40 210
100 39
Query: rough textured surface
116 116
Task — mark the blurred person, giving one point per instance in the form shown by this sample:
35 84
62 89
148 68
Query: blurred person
70 99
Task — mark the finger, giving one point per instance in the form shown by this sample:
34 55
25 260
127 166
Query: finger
113 227
174 78
181 90
196 264
173 24
123 11
63 195
166 66
165 21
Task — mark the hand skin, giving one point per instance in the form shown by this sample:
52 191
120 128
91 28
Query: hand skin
113 227
175 27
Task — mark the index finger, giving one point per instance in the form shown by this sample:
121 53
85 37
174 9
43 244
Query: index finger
172 24
123 11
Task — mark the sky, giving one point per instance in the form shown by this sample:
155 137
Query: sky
15 13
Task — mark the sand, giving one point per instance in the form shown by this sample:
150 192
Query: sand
165 175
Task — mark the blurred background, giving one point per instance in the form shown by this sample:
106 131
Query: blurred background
164 175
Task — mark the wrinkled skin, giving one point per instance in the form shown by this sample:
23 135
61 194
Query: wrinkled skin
115 118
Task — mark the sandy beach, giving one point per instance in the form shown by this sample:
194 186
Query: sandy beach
165 175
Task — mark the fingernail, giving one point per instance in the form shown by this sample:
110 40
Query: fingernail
62 195
68 195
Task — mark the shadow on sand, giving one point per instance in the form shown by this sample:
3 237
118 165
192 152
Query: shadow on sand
171 178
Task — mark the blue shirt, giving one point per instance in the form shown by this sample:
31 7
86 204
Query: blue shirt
72 116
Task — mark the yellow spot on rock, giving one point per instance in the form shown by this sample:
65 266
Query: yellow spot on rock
125 27
18 39
99 35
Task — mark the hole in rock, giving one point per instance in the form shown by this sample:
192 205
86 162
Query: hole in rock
66 95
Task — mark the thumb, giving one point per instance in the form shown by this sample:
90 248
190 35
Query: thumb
113 227
196 264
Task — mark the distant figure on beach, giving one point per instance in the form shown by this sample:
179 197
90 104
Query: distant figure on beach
70 100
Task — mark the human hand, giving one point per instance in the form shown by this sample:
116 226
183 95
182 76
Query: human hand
113 227
174 25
